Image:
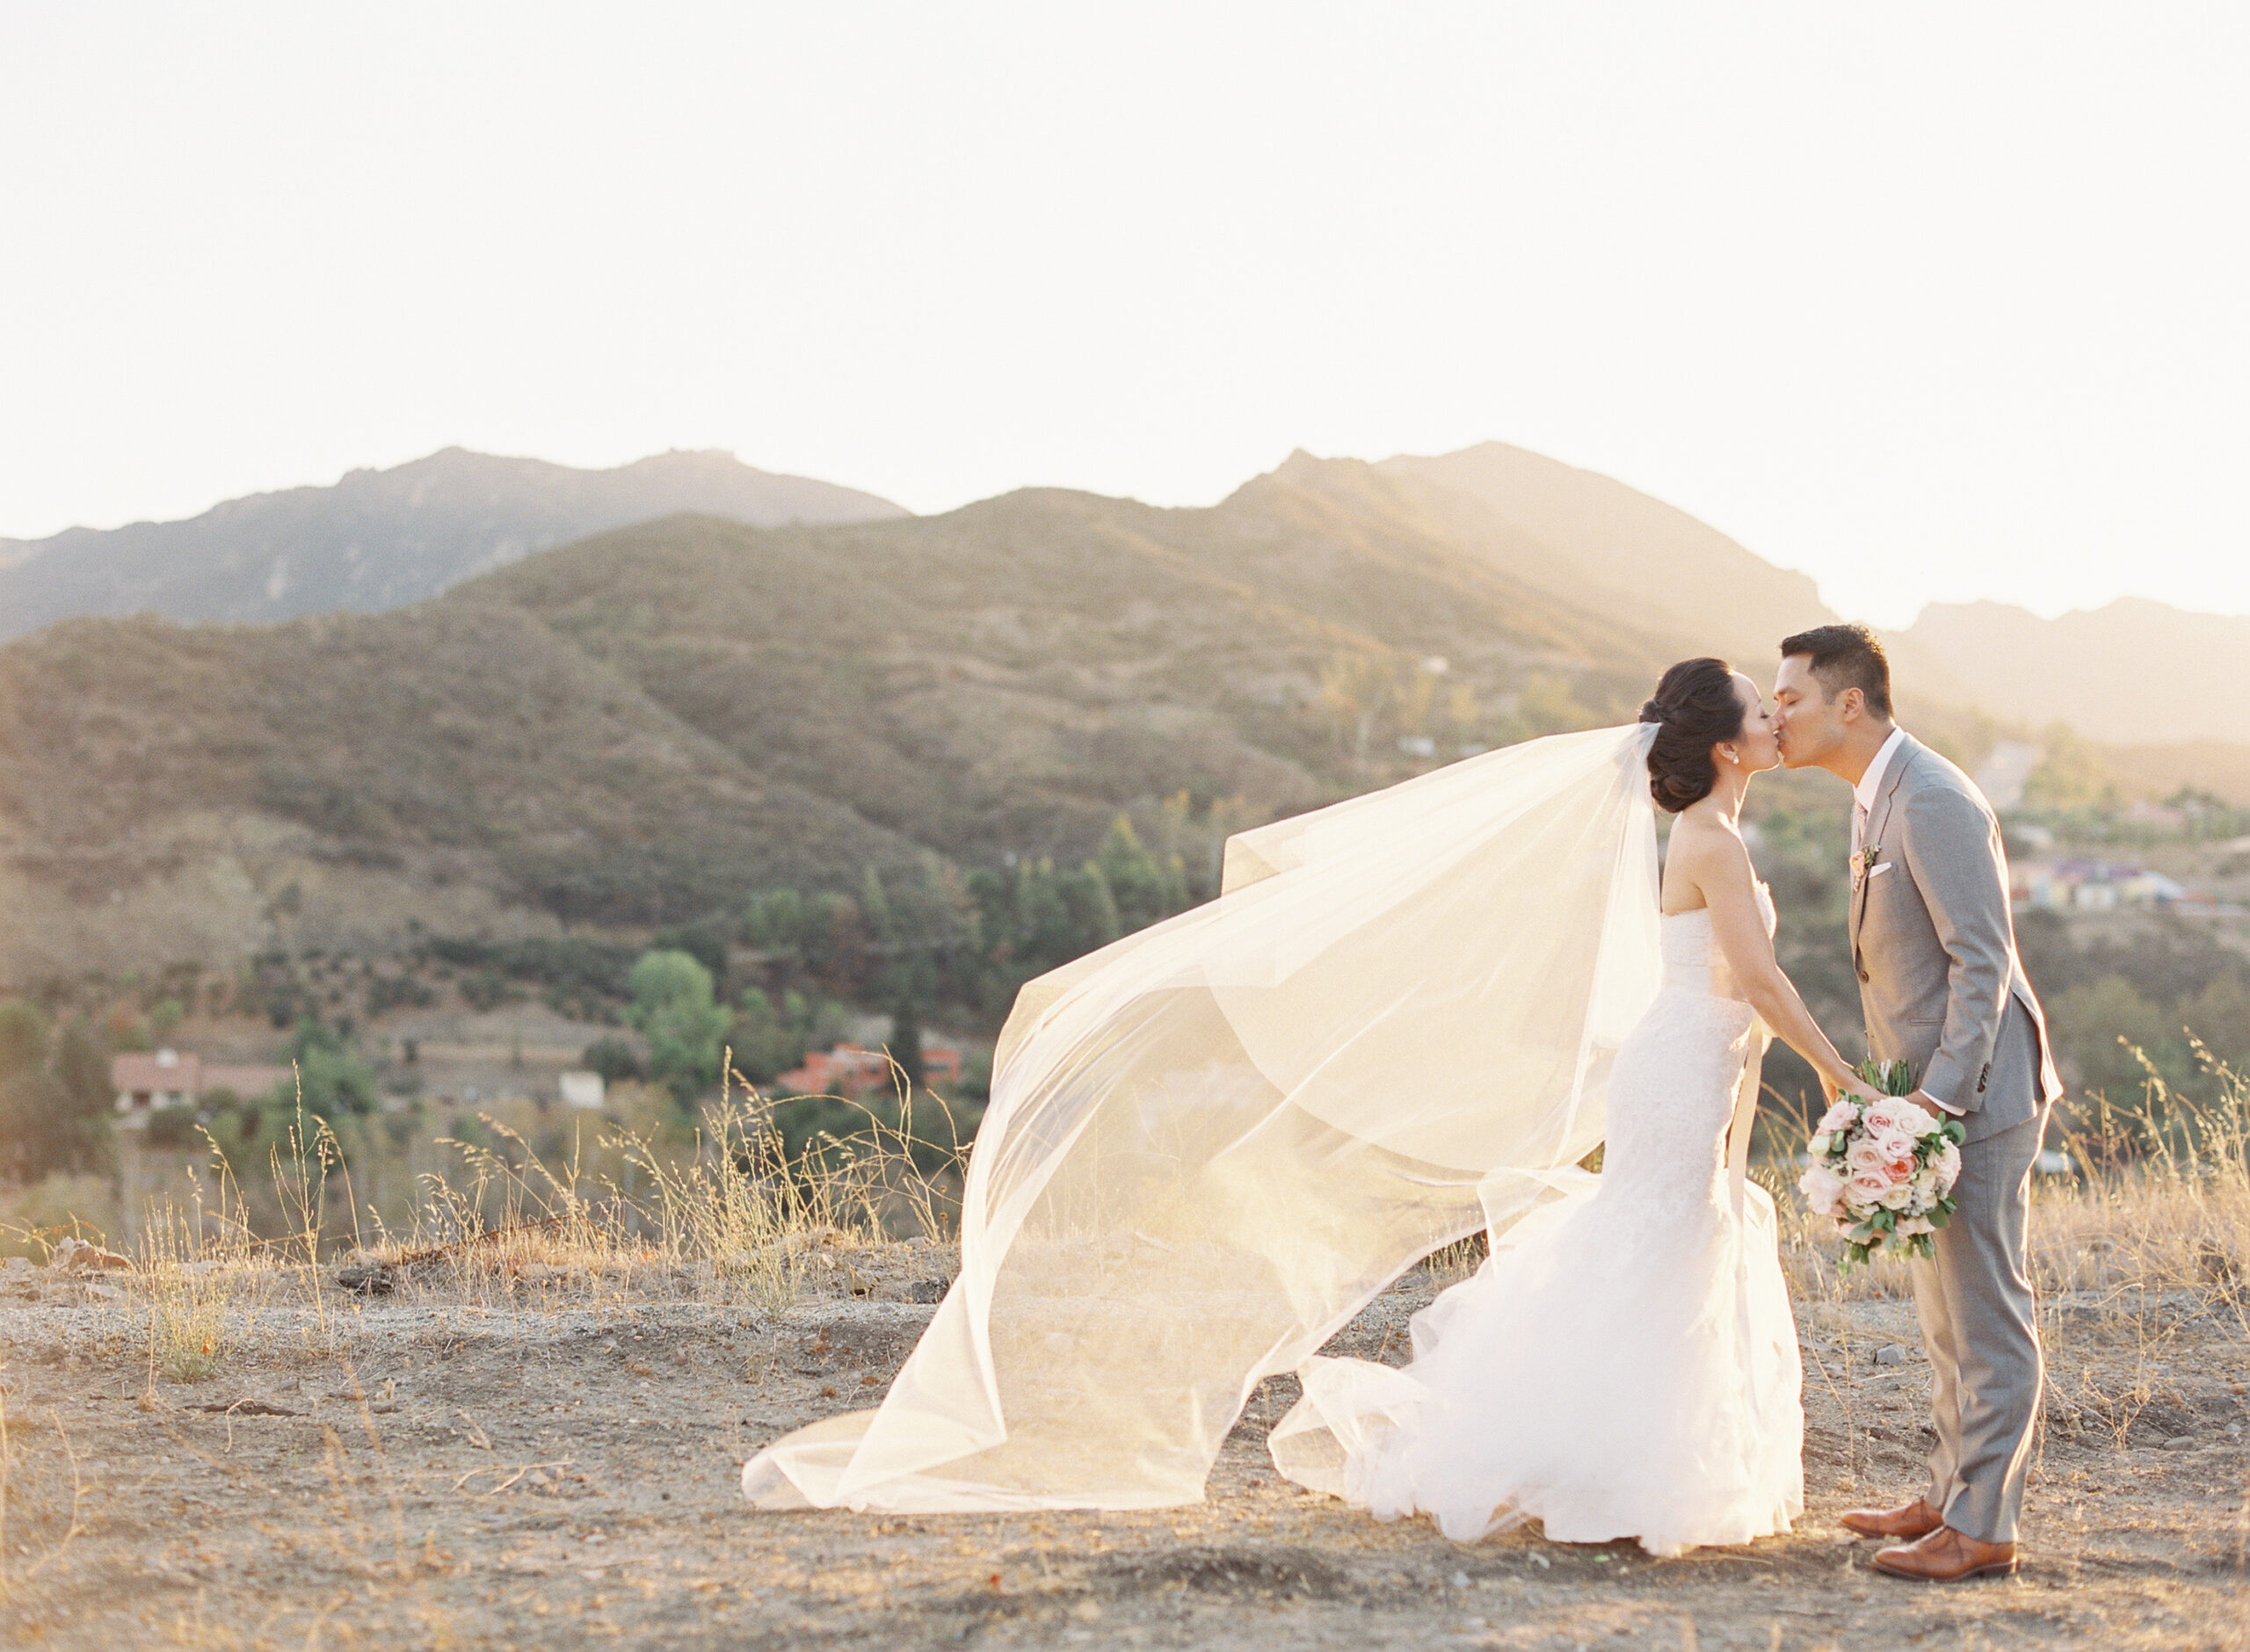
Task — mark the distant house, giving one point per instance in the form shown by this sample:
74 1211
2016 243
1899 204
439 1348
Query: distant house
851 1069
170 1078
2094 885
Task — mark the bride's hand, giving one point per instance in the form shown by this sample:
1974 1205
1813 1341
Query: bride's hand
1859 1090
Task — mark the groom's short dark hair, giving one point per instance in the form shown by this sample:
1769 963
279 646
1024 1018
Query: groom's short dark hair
1846 656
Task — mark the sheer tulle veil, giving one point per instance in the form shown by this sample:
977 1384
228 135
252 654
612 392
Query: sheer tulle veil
1211 1142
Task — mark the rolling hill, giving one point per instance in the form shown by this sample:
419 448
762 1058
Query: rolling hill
2133 673
382 538
655 721
644 725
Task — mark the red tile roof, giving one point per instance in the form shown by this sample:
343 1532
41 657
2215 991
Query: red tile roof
137 1073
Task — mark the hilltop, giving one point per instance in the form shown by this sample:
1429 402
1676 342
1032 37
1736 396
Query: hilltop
382 538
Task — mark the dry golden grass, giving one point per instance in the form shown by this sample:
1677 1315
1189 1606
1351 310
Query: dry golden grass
532 1439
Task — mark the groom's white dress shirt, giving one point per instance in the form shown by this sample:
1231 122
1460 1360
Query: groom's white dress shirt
1870 787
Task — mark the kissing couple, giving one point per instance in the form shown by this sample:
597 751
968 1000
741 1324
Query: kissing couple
1407 1018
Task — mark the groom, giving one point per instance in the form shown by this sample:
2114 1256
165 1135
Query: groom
1941 988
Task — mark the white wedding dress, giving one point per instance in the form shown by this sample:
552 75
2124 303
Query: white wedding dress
1210 1144
1625 1364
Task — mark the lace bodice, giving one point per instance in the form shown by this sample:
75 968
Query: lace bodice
1692 959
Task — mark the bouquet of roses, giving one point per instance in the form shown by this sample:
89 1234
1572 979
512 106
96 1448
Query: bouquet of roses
1883 1171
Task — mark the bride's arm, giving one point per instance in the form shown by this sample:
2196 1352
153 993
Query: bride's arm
1719 867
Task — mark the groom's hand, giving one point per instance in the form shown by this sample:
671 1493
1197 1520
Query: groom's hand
1928 1103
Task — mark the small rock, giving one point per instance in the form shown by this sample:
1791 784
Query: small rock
2180 1443
1891 1354
926 1291
245 1408
75 1256
374 1278
1461 1580
1087 1612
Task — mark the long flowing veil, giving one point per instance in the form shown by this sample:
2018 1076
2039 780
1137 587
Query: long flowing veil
1210 1143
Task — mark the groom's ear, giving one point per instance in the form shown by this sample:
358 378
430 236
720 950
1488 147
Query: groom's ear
1853 704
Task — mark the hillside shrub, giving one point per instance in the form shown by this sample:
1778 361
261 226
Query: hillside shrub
673 1008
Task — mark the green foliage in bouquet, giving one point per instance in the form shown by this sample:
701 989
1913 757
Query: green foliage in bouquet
1887 1078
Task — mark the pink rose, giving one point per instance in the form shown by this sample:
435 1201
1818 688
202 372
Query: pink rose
1948 1165
1895 1144
1869 1186
1841 1116
1867 1157
1883 1115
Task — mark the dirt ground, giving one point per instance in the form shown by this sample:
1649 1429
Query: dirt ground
556 1466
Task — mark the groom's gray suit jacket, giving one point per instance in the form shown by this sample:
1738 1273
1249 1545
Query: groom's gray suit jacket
1935 947
1943 987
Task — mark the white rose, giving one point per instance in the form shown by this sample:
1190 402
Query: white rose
1820 1144
1914 1225
1821 1188
1915 1122
1948 1164
1896 1198
1841 1116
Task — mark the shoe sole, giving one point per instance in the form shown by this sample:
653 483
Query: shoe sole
1891 1537
1994 1569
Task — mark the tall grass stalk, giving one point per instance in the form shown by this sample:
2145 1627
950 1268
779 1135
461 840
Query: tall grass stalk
188 1288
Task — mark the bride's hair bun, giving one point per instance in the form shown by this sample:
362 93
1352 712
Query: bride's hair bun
1694 708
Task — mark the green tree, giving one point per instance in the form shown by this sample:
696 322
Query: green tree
2097 1026
705 941
2219 1016
1143 888
905 1043
331 1080
776 921
673 1009
767 1042
54 1096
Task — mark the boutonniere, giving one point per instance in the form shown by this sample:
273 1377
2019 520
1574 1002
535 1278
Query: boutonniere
1864 862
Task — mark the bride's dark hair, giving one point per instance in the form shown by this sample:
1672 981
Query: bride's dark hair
1694 708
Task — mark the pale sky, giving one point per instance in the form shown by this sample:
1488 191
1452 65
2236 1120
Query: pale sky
1934 302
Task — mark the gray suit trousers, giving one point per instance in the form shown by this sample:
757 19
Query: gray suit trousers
1980 1325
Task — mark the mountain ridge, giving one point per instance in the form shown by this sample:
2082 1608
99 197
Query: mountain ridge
666 718
2135 671
381 539
661 719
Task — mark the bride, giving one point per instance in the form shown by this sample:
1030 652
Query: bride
1625 1364
1407 1017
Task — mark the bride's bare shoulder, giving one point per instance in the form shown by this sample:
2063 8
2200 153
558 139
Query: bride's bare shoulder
1705 858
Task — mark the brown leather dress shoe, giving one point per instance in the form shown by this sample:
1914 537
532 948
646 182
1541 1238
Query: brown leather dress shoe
1916 1520
1947 1556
